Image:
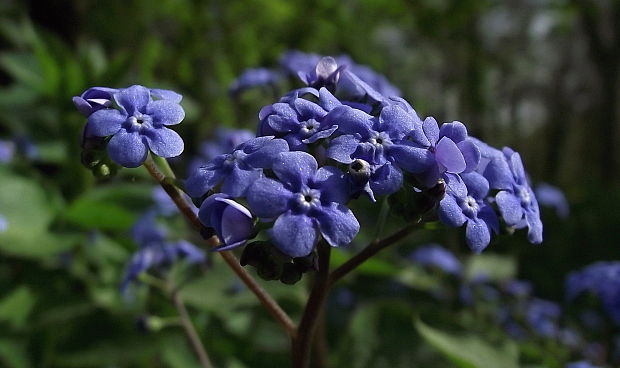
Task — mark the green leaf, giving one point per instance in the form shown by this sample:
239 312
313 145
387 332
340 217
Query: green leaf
495 267
13 354
23 68
16 307
469 351
373 266
92 214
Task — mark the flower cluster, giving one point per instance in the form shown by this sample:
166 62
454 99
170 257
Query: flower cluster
323 145
131 122
601 279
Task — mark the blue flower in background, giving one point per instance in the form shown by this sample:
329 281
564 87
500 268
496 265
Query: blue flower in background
518 288
434 255
223 141
139 125
232 222
256 77
4 224
551 196
580 364
155 251
543 316
304 201
7 151
236 170
601 279
456 210
298 120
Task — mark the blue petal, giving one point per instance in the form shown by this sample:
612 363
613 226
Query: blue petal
238 181
265 156
202 180
165 112
254 144
498 174
337 224
431 130
411 158
454 130
455 184
294 235
449 155
535 228
387 179
295 168
308 110
341 148
210 211
132 99
489 216
510 207
471 153
164 142
237 224
397 121
517 168
166 94
283 118
477 235
105 122
349 120
127 149
268 198
450 213
333 184
327 100
477 185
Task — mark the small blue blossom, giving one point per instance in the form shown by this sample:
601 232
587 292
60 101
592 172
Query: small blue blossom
543 316
551 196
93 99
518 288
379 142
516 200
298 120
155 251
139 125
223 141
580 364
471 209
252 78
434 255
232 222
304 201
601 279
7 151
4 224
236 170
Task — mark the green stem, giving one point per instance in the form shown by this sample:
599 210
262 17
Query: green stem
186 209
190 331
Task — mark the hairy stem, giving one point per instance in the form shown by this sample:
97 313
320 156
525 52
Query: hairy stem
190 332
371 249
302 343
186 209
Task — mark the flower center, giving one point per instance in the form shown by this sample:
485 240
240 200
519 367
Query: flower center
309 127
308 198
470 206
380 139
524 194
359 167
232 157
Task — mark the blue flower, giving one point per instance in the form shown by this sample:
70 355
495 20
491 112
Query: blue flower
139 125
542 316
232 222
456 210
304 201
453 153
518 288
580 364
155 251
252 78
93 99
236 170
550 196
224 141
7 151
516 200
298 120
601 279
379 142
434 255
4 224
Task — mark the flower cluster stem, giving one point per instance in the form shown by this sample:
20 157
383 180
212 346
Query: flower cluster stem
186 209
302 343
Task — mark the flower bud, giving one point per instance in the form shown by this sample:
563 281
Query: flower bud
231 221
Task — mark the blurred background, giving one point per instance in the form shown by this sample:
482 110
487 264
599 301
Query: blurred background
540 76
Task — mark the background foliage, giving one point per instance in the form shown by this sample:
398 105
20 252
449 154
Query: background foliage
540 76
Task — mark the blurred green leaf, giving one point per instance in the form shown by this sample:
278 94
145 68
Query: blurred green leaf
373 266
92 214
469 351
22 67
495 267
16 307
13 354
